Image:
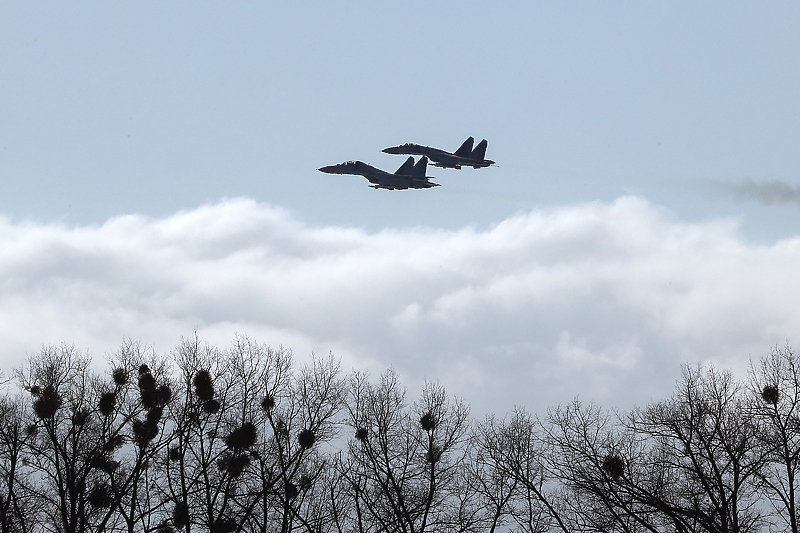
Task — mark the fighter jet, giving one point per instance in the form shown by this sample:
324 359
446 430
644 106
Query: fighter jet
408 176
464 156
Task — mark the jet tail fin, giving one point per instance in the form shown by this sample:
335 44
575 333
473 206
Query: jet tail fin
421 167
479 152
407 168
465 148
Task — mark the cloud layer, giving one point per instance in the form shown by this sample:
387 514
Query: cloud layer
604 301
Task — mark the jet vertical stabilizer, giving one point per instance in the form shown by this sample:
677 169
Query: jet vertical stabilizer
407 168
465 148
421 167
479 152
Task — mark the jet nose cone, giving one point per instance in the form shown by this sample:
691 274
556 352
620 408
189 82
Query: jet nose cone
392 150
331 169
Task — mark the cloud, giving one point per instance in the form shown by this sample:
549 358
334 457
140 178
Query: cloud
602 301
767 193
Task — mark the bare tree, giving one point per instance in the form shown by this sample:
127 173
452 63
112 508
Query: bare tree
513 477
244 454
131 405
591 466
210 441
64 439
405 459
705 453
303 420
775 401
18 510
89 441
245 440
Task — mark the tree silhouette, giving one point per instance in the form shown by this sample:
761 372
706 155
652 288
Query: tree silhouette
246 440
405 460
774 388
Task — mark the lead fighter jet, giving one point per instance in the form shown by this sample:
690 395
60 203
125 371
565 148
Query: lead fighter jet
408 176
464 156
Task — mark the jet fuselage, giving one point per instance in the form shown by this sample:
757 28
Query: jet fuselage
465 156
380 179
439 158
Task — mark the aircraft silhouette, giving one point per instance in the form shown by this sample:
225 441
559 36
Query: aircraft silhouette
408 176
464 156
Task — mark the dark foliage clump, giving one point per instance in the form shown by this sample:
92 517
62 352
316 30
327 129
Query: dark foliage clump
163 395
32 430
147 430
100 497
180 514
119 376
233 464
211 406
113 443
146 380
151 394
305 482
291 491
306 438
154 415
428 422
107 402
613 466
144 432
224 525
268 402
770 394
104 463
175 454
47 403
242 437
362 434
80 417
433 454
203 385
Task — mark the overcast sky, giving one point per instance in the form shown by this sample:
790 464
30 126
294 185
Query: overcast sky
158 177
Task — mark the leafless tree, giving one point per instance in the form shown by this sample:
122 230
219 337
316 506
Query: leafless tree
246 440
592 465
513 475
80 427
244 454
18 510
406 459
774 390
131 404
705 455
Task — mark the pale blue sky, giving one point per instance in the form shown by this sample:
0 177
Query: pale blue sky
149 107
645 210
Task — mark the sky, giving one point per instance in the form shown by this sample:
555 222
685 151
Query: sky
158 178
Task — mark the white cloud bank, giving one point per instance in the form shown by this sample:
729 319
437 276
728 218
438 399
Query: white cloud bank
604 301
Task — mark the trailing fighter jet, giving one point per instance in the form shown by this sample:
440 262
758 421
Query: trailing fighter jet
408 176
464 156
